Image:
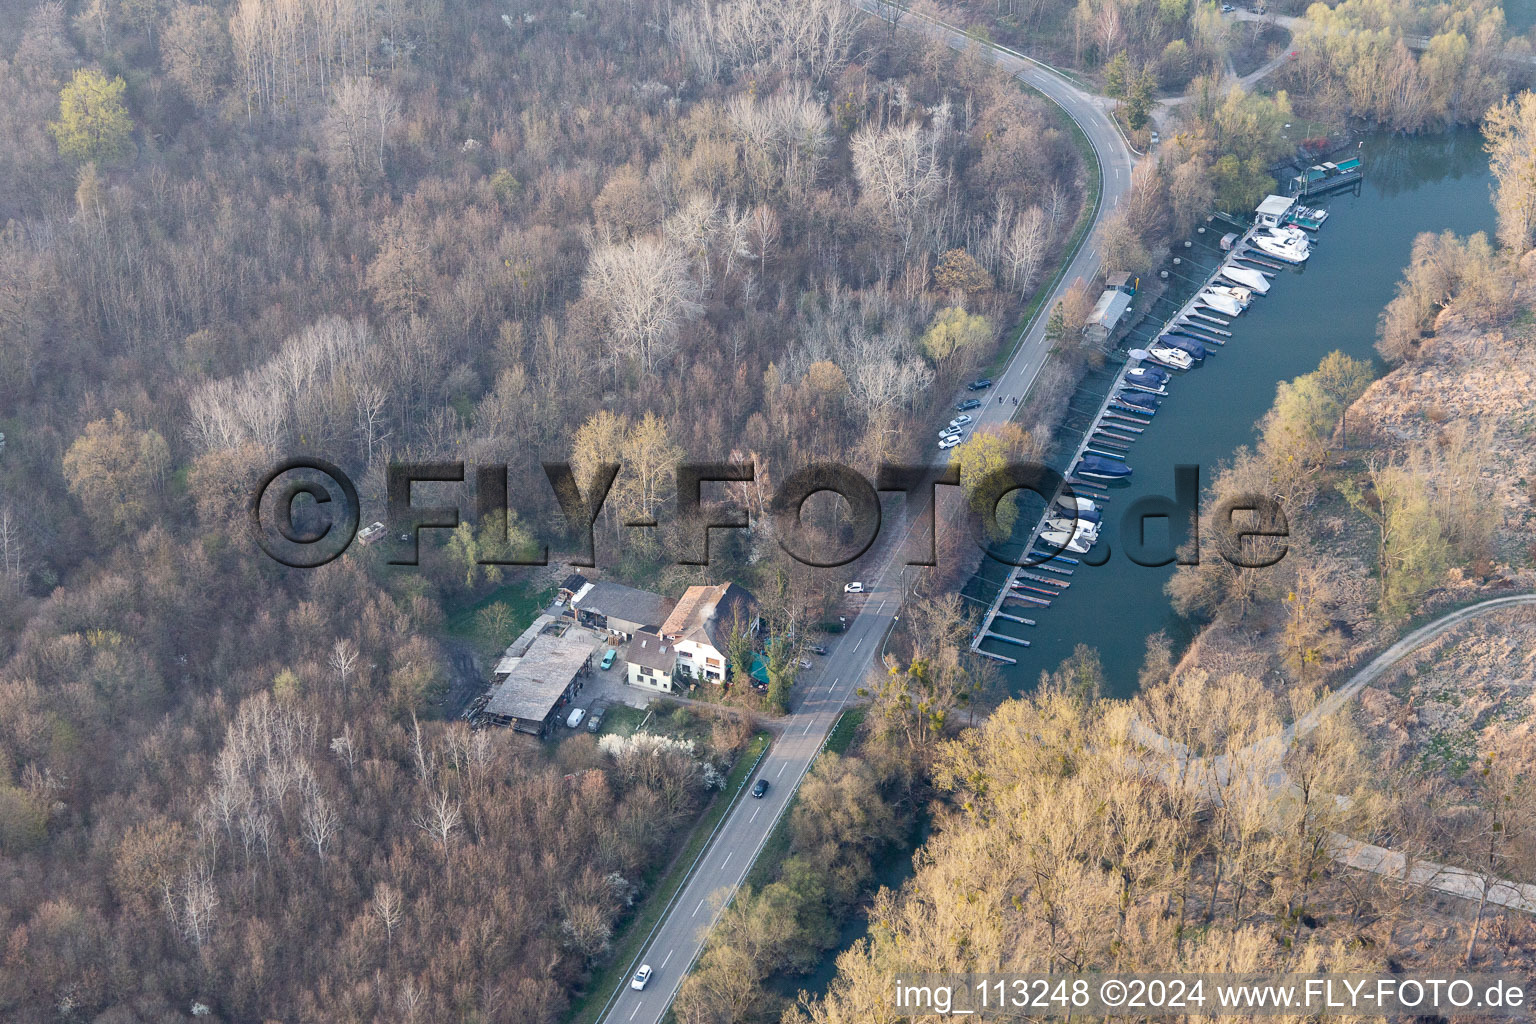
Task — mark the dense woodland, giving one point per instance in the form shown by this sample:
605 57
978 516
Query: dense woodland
237 232
1066 838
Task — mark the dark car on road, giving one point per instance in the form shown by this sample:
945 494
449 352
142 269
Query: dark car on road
979 385
968 405
760 787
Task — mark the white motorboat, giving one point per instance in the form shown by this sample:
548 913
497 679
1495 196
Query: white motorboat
1283 250
1287 232
1167 355
1077 527
1075 503
1065 542
1247 277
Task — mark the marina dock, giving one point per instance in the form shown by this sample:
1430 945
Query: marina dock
1111 432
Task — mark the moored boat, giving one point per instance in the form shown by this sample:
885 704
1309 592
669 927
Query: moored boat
1283 250
1220 302
1104 469
1146 376
1167 355
1075 527
1139 398
1060 541
1189 346
1247 277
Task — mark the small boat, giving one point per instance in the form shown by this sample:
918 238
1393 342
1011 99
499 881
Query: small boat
1309 217
1242 296
1247 277
1077 527
1104 469
1076 504
1147 376
1190 346
1167 355
1065 542
1284 251
1087 515
1142 399
1219 302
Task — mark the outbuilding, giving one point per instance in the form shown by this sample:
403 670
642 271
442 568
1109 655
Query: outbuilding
528 690
1106 316
620 610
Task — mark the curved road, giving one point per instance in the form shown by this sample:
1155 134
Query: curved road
1265 759
678 937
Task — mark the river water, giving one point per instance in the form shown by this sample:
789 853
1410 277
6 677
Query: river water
1429 183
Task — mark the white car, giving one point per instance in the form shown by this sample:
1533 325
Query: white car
951 432
576 716
853 588
952 441
642 976
960 421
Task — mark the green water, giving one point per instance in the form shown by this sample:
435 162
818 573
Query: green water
1332 302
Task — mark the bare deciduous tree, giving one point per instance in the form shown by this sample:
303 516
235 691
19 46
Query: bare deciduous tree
644 287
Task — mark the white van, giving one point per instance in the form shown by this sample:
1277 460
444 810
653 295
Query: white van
576 716
854 588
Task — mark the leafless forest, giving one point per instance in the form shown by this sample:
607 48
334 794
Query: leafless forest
236 232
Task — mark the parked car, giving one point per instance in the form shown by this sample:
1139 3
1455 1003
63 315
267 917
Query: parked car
818 649
853 588
946 443
760 788
595 722
1227 8
608 658
951 432
960 421
979 385
576 716
968 405
642 976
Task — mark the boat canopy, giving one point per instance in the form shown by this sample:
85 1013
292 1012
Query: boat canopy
1273 209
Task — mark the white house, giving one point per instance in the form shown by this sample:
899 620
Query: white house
650 662
700 628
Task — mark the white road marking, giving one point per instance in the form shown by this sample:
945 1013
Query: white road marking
697 909
856 646
754 816
727 859
881 608
664 962
636 1010
781 769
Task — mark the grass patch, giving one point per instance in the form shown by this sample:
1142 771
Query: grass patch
586 1008
621 720
846 728
490 628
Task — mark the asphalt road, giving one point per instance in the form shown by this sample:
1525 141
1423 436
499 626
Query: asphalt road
823 692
